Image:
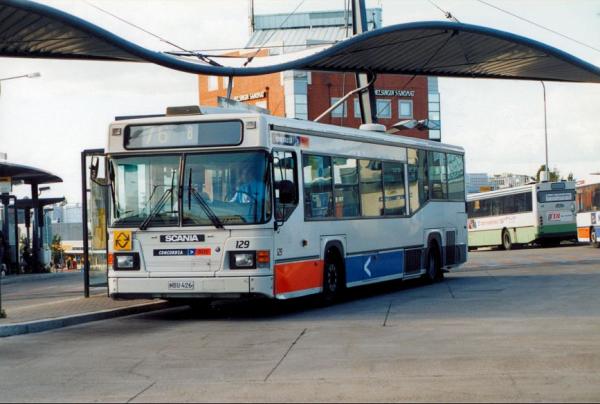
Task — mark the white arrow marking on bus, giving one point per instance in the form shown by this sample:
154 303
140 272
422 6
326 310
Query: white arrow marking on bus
366 267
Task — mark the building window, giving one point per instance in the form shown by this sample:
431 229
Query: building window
405 109
356 108
435 134
341 110
434 115
384 109
213 83
301 106
226 82
434 106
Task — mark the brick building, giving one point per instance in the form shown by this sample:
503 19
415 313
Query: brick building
305 95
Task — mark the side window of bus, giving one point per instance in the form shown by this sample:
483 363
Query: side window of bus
318 195
418 179
345 187
393 188
371 189
286 184
456 177
437 175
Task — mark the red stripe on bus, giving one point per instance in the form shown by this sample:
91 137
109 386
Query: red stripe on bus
296 276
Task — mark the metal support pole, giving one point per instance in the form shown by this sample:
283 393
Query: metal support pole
5 226
366 99
35 236
546 133
84 219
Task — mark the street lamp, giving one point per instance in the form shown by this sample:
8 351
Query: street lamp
28 75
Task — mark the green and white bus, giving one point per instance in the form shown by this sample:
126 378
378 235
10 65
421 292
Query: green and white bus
542 213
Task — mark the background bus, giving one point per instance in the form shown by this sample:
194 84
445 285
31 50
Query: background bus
223 205
588 211
543 213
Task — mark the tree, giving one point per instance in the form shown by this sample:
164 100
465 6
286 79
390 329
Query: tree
553 174
56 248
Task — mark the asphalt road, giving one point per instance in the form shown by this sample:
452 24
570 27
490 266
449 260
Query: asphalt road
528 330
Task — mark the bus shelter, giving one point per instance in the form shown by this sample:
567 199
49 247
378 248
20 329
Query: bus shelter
17 174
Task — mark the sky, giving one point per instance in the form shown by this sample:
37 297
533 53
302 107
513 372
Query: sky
47 122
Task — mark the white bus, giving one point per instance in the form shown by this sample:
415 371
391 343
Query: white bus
588 211
543 213
232 204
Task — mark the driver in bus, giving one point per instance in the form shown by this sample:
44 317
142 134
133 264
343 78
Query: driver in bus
248 189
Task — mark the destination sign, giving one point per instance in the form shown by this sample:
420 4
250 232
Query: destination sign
185 134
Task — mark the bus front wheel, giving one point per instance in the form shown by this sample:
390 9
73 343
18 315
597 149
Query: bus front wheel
332 278
506 243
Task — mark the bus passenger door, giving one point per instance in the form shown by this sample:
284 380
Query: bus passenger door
296 271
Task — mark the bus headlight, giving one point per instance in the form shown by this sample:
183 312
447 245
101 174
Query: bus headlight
126 261
242 260
249 259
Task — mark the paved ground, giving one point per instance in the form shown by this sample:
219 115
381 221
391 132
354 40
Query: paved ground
49 296
35 290
526 332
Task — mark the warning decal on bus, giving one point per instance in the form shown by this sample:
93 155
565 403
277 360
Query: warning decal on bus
122 240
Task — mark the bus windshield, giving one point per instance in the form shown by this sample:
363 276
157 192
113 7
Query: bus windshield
220 188
231 187
146 186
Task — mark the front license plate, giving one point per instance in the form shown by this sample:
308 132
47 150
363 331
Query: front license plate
181 285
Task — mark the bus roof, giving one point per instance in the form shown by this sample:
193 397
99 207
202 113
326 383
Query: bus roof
297 126
513 190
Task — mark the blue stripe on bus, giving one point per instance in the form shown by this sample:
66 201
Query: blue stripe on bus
373 266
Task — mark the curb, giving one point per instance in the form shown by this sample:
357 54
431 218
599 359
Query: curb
31 327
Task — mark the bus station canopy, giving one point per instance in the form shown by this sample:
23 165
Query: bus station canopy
28 203
19 173
435 48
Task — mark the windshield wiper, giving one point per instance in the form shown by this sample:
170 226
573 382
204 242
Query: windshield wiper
209 212
160 204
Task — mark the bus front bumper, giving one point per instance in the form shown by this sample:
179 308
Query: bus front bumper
189 287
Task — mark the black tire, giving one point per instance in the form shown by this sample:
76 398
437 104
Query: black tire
332 278
506 243
433 267
594 242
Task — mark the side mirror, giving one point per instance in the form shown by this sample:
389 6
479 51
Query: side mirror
94 169
287 191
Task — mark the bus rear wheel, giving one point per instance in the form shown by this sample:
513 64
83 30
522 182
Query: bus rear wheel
434 271
594 238
506 243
